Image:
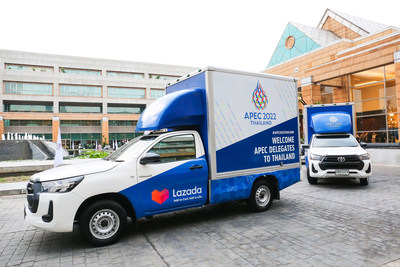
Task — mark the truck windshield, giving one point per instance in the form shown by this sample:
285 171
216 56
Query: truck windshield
130 149
335 141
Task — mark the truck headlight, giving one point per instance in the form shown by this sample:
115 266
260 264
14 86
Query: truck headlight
364 156
315 157
62 185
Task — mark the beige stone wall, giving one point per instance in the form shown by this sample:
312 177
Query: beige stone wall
55 126
1 128
340 60
105 131
339 29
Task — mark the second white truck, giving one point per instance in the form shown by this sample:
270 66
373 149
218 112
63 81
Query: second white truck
332 149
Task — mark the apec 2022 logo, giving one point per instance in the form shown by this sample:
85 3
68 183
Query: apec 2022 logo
260 102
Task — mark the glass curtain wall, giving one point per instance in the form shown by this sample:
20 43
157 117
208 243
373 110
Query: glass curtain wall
374 94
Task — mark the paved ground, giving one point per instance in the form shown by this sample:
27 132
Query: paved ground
338 223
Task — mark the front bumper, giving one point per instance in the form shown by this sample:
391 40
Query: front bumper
59 217
316 172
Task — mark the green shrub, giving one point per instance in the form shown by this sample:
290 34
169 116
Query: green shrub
93 154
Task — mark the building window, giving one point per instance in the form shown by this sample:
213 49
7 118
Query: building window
374 94
9 66
28 123
126 92
125 74
124 110
23 88
80 71
79 109
86 140
156 93
163 77
80 90
27 108
121 123
80 123
326 94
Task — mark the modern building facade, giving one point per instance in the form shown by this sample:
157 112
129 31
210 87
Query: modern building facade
91 100
346 59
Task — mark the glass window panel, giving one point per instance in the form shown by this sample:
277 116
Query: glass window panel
27 108
390 72
123 92
368 92
370 107
28 88
373 123
393 136
125 74
79 109
393 121
163 77
124 110
29 68
391 88
156 93
391 104
80 90
6 122
175 148
372 137
367 77
80 71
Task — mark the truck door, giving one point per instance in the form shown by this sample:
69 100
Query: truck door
178 180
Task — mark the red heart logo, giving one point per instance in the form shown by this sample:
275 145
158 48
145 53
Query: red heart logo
160 197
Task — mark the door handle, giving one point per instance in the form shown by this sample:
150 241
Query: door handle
196 167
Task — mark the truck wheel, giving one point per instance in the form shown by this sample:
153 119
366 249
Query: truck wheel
261 196
311 180
103 222
363 181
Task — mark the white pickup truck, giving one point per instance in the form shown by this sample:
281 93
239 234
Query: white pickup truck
332 150
337 156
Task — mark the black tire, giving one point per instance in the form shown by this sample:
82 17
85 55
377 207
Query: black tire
261 196
311 180
364 181
103 222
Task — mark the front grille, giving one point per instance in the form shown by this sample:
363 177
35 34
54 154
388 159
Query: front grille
32 194
350 162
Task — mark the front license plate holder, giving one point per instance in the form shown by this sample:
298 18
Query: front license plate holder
342 172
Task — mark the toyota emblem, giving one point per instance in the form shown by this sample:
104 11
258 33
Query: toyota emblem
341 159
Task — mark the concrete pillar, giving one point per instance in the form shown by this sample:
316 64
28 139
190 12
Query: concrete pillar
397 73
56 101
1 126
311 92
55 126
342 94
104 130
148 93
105 99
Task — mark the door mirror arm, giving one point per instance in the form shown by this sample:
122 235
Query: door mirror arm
150 158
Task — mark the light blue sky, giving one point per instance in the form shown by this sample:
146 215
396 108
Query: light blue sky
233 34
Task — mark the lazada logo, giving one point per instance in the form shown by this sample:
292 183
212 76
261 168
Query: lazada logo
160 197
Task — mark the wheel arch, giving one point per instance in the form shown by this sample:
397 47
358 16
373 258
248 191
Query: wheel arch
119 198
273 181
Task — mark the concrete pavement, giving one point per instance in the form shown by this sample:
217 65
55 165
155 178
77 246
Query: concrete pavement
333 223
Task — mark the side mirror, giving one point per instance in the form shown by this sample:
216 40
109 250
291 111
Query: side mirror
363 145
150 158
305 146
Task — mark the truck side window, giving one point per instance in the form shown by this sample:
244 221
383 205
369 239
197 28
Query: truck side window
175 148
